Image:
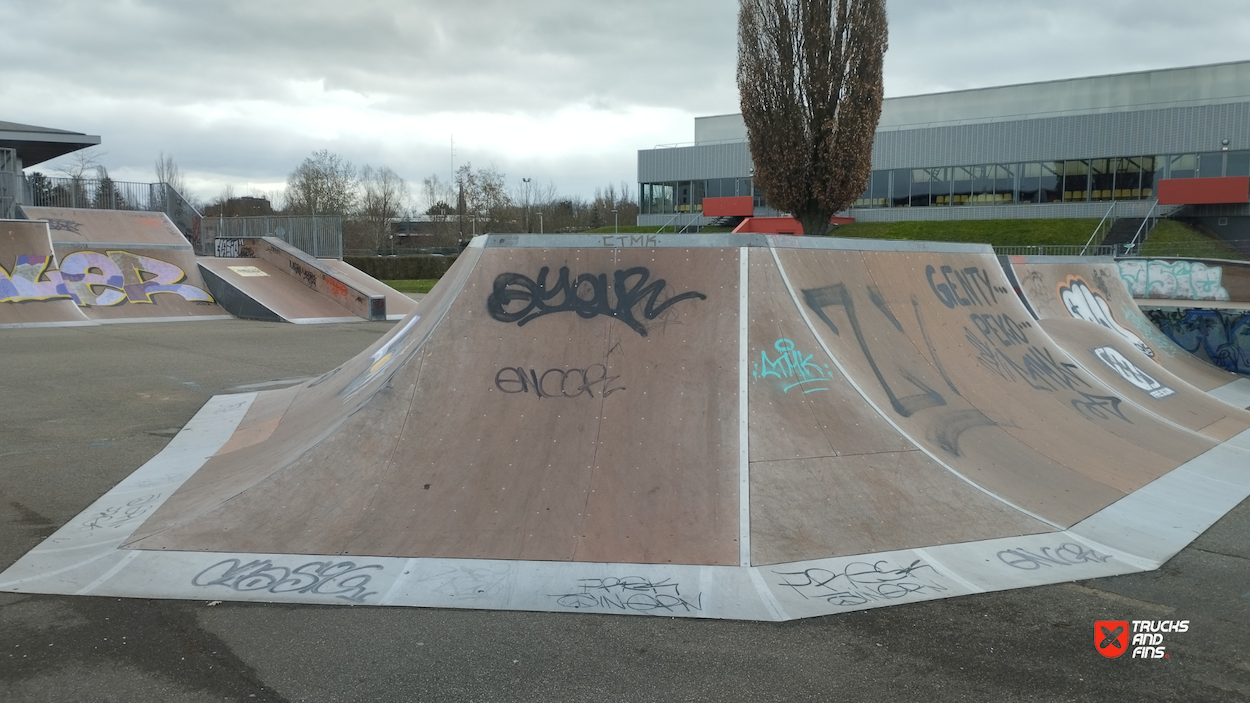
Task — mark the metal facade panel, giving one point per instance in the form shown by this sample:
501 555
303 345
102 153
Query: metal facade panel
1142 132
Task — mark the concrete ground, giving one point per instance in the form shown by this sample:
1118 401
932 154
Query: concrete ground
81 408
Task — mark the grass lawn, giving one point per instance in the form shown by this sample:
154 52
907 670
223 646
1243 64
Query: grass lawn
650 230
422 285
996 232
1172 238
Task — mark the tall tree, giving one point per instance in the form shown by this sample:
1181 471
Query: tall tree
809 79
324 184
383 197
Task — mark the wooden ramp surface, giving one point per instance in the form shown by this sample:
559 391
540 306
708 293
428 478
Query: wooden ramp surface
715 426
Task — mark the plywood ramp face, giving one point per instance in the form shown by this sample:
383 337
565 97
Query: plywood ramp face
273 288
1138 379
1010 368
320 408
1099 284
830 476
24 305
74 225
397 304
624 449
155 283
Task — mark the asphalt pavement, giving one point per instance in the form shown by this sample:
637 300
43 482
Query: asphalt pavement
81 408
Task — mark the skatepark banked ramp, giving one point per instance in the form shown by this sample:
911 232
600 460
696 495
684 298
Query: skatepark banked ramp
268 279
719 426
80 267
1062 291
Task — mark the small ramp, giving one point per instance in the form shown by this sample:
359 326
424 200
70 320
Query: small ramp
723 426
1092 289
109 266
268 279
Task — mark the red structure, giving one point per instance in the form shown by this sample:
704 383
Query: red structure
739 206
1204 191
779 225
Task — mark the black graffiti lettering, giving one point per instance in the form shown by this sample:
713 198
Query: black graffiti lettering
1101 407
969 286
343 579
837 294
629 593
1066 554
563 383
859 583
1001 329
941 290
587 295
937 363
946 431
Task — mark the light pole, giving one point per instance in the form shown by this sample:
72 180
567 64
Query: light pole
540 221
526 181
616 221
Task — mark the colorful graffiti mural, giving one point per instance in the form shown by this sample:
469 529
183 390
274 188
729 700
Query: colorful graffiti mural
1219 336
1174 280
92 278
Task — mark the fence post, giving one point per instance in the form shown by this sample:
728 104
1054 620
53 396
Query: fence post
316 238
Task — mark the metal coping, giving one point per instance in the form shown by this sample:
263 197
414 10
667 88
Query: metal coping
122 245
719 240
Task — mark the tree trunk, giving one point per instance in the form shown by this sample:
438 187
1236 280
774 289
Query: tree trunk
814 222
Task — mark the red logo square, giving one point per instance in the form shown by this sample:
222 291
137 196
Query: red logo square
1111 637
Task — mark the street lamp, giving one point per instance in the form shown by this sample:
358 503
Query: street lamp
526 181
616 221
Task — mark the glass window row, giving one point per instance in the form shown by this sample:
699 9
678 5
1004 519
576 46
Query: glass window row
1076 180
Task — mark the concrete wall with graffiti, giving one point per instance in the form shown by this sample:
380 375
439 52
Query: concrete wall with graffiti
92 278
1219 336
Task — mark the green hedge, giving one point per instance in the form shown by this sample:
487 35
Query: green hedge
390 268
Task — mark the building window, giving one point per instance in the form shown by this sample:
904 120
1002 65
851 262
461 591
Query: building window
1238 163
1183 166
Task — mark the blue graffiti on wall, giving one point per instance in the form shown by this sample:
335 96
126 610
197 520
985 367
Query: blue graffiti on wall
792 369
1221 337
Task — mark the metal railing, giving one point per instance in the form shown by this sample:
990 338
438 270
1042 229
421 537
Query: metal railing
1057 250
1143 228
321 236
1099 228
9 184
92 193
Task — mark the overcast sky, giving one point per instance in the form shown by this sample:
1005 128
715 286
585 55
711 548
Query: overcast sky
560 91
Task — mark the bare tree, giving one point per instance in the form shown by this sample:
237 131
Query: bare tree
324 184
167 171
809 80
383 196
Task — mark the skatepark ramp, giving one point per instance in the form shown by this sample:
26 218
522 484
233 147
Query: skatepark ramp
268 279
79 267
1061 291
727 426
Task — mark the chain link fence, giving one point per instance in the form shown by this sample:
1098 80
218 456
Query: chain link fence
320 236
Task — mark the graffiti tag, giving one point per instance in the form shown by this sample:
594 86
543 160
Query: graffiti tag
90 278
520 299
792 368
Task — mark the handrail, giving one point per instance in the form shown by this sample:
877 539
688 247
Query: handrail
1095 234
1141 226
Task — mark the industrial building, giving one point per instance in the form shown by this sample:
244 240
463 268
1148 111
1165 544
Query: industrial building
1171 141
